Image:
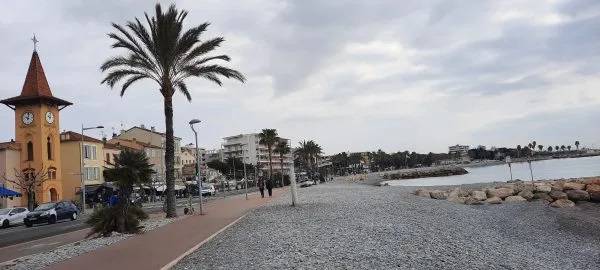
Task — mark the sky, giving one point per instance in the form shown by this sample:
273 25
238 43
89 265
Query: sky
351 75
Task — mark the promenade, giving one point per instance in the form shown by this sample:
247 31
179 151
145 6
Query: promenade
162 246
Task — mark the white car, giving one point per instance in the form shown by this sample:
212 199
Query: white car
12 216
208 189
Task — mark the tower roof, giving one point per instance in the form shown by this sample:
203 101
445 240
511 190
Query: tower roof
35 82
35 88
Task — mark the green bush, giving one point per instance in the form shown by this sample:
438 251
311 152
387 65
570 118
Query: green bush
106 220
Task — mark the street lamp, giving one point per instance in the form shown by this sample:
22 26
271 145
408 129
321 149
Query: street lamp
81 166
198 179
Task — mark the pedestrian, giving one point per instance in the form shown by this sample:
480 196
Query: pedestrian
261 186
114 199
270 187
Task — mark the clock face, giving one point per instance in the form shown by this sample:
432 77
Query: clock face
49 117
27 118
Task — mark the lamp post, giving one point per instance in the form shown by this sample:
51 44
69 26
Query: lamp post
507 159
198 179
81 165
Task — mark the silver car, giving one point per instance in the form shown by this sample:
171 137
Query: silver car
12 216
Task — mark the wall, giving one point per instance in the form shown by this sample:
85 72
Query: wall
9 160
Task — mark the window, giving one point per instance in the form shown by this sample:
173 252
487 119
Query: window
29 151
89 152
49 148
107 158
51 173
91 173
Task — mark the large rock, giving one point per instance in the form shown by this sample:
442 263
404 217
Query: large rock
457 199
542 196
562 203
494 200
514 199
472 201
592 181
542 188
578 195
500 192
422 193
526 194
558 195
438 194
523 187
594 191
573 186
479 195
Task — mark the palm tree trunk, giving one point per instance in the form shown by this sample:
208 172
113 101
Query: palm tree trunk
170 157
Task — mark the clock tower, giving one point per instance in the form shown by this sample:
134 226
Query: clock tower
37 130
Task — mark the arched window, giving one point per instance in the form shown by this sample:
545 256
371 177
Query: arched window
51 173
49 147
30 151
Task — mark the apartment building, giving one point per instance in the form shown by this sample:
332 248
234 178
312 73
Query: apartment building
151 137
247 147
93 163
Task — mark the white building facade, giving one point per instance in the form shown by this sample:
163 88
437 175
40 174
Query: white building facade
248 148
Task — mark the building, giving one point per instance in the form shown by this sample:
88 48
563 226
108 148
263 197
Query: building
247 148
37 136
155 154
157 140
10 155
215 154
93 163
461 150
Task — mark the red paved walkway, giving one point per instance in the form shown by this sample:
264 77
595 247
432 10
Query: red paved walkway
157 248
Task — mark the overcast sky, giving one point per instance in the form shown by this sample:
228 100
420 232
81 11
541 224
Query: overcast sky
352 75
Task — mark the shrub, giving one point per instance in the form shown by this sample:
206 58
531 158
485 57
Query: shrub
106 220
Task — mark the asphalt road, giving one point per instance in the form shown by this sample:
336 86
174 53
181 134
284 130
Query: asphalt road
20 234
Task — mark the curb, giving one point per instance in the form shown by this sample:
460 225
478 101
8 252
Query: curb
196 247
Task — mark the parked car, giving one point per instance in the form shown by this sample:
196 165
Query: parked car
306 183
52 212
12 216
208 189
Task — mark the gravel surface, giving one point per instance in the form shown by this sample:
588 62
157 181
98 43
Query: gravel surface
353 226
41 260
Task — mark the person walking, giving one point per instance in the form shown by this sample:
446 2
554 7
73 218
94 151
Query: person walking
261 186
270 187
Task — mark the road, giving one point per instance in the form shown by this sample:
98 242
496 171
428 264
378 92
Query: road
20 234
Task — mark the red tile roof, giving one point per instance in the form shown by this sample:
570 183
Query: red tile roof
70 136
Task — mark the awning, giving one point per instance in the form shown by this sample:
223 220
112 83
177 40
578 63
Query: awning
5 193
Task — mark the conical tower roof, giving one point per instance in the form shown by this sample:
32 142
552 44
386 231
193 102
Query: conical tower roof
36 88
35 82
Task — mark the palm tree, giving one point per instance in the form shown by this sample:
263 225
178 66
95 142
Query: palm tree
540 147
533 144
577 144
556 148
569 147
549 148
164 53
518 150
268 137
282 148
562 147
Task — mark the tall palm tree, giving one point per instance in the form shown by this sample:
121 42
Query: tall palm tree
533 144
540 147
282 148
556 147
569 147
562 147
549 148
518 150
577 145
268 137
163 52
